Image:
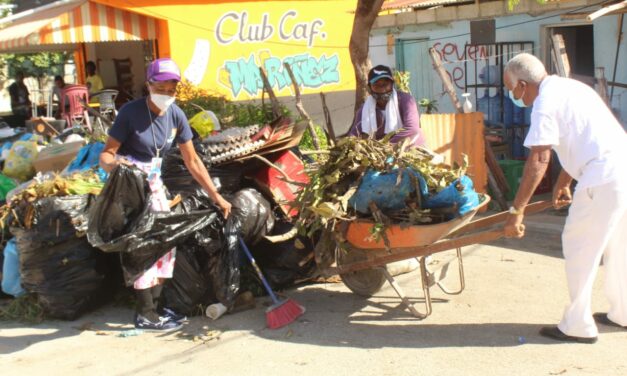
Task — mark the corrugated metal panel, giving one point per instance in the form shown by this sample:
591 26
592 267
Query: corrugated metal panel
400 4
455 134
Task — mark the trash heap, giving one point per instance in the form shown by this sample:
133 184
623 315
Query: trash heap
48 220
384 182
80 235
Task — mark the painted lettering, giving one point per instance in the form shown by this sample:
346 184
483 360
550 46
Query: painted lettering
243 74
246 32
300 30
454 56
309 72
219 37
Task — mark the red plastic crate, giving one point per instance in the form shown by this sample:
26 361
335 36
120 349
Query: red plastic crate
273 182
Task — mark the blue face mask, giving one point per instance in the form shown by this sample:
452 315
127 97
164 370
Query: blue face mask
518 102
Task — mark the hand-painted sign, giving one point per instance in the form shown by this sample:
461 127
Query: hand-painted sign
220 45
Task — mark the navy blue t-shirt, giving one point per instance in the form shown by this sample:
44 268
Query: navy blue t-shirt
132 128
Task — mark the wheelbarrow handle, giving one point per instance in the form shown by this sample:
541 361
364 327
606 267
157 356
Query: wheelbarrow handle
535 207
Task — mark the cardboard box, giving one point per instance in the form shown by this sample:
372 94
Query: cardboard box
57 157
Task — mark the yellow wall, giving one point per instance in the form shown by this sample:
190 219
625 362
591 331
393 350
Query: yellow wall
220 45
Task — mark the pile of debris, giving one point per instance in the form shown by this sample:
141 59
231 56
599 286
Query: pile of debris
388 183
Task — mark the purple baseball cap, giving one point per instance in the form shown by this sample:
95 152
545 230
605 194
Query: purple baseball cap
164 69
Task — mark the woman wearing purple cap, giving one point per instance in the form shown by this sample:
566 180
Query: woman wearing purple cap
142 134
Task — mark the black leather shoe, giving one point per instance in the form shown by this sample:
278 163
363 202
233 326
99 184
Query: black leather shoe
553 332
602 318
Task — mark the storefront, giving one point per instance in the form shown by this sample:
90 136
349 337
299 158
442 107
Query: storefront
219 46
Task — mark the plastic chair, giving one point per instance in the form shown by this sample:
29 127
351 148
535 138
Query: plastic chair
75 113
107 103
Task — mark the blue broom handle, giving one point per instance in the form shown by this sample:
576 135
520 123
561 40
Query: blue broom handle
275 300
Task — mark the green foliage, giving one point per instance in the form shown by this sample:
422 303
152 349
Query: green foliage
429 105
336 175
511 4
306 143
25 308
401 79
244 114
38 65
7 11
193 99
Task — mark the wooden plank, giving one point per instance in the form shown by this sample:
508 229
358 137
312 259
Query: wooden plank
496 191
617 84
601 85
561 57
533 208
497 171
605 10
446 80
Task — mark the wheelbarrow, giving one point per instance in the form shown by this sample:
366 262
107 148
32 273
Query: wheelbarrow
362 262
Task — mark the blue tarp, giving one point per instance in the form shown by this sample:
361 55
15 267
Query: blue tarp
87 158
383 190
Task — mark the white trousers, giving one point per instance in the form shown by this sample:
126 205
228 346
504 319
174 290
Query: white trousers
596 227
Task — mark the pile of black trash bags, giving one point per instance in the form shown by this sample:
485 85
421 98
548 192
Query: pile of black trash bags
79 248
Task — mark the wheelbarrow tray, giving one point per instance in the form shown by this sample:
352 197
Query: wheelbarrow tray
359 233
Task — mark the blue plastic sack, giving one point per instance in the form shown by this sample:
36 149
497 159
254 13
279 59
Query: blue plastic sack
466 199
11 281
87 158
381 188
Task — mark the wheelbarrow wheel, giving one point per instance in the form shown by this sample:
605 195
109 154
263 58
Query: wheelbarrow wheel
364 283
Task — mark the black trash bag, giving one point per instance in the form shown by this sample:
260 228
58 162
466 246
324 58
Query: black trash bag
123 201
253 215
178 180
285 263
187 289
121 221
207 266
67 273
224 265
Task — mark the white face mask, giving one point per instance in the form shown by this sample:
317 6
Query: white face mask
161 101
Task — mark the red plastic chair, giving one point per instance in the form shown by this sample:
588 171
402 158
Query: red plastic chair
74 112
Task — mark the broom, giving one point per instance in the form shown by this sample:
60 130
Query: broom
282 312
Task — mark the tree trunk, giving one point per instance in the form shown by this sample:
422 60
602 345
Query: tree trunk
365 14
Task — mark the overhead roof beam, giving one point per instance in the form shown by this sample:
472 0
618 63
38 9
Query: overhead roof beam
605 10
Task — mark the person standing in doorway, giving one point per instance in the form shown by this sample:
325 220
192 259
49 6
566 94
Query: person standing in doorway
144 130
93 80
570 118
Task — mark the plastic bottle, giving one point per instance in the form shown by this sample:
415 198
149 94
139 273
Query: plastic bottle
467 106
131 333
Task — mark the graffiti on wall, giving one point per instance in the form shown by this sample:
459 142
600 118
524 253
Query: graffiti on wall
285 37
453 57
242 75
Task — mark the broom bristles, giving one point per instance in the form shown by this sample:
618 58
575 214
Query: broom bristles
283 313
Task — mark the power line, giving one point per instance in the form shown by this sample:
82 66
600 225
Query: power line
291 44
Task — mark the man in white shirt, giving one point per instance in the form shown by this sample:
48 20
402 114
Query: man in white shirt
570 118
